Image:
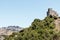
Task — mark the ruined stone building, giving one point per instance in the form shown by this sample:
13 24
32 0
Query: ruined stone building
51 12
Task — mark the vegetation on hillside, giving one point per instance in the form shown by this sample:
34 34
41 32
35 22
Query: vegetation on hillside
39 30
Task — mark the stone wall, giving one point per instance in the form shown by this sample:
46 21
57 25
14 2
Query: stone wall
51 12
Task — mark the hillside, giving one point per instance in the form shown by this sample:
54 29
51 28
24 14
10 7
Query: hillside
6 31
9 30
47 29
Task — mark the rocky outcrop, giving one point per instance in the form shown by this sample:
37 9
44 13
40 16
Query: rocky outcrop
57 24
51 12
54 14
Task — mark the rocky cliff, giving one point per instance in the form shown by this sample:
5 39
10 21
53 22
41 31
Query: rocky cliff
54 14
51 12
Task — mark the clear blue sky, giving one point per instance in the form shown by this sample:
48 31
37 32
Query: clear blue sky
23 12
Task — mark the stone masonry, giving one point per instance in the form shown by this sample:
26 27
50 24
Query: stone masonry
51 12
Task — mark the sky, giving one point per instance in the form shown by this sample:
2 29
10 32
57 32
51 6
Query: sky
23 12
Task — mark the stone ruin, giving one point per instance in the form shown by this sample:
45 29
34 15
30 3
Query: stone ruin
51 12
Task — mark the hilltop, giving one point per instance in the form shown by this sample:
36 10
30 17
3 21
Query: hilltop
47 29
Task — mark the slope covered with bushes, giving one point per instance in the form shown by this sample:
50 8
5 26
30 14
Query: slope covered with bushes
39 30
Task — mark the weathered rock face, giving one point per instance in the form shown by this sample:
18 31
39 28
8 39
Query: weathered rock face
51 12
57 24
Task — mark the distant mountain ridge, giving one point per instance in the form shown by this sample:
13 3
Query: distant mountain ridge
13 28
9 30
6 31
